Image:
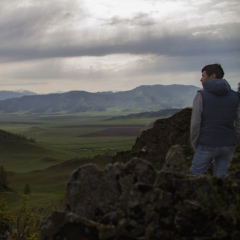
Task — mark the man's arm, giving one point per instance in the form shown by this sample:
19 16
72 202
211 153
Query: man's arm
196 118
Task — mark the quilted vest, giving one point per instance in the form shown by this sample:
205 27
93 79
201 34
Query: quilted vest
219 112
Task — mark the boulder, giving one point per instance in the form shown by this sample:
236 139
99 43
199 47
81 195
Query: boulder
176 160
135 201
154 143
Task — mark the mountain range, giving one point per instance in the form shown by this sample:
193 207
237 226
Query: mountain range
140 99
13 94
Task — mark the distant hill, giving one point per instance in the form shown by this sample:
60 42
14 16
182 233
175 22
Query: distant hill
12 137
14 94
140 99
21 154
158 114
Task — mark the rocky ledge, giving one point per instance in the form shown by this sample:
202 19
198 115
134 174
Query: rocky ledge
134 201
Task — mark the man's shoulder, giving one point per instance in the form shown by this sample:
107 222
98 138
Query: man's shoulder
197 99
200 92
235 92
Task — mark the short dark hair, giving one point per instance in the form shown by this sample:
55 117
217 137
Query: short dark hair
214 69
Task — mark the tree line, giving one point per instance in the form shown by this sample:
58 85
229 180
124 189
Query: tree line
3 179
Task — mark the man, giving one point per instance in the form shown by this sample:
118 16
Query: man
215 123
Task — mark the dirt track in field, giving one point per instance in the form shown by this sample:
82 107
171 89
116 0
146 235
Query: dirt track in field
101 126
115 132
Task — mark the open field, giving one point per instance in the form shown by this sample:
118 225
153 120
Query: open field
63 142
47 186
62 137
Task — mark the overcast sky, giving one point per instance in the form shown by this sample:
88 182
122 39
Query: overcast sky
115 45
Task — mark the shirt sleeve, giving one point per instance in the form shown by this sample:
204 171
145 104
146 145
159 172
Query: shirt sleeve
196 118
237 122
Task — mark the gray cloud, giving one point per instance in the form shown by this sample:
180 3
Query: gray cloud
40 35
33 27
44 30
139 19
193 42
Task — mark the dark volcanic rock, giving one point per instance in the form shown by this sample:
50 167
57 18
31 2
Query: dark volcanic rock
135 201
103 189
154 143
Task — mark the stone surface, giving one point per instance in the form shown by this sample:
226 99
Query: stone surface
135 201
154 143
176 160
92 193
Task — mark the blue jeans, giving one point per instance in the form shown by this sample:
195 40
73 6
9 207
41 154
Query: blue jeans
203 156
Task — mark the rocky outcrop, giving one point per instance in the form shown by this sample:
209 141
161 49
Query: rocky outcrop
154 143
135 201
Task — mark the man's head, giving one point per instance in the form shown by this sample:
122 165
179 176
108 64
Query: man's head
212 71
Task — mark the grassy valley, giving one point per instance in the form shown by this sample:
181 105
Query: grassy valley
56 145
60 137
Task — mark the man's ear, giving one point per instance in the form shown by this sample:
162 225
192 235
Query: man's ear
213 76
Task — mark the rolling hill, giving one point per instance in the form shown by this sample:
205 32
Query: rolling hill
159 114
14 94
18 153
140 99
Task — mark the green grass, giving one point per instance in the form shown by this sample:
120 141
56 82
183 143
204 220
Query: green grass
24 157
46 185
59 138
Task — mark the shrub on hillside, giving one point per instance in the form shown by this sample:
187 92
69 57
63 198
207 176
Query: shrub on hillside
3 178
27 189
6 218
23 224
